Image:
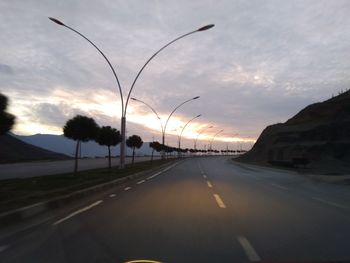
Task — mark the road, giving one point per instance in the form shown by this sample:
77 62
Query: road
201 210
31 169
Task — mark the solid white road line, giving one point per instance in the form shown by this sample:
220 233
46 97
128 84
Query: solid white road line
127 188
279 186
112 195
141 182
330 203
248 249
209 184
219 201
3 248
78 212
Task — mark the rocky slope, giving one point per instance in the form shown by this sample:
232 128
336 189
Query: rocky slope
318 135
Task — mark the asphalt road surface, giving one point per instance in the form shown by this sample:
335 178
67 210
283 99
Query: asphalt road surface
201 210
31 169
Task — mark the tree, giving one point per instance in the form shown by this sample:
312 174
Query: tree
133 142
108 136
7 120
80 129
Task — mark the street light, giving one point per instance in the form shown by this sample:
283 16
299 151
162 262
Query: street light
203 130
154 111
166 123
211 141
124 107
184 129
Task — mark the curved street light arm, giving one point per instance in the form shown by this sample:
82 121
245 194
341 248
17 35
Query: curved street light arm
188 123
104 56
203 130
154 111
155 54
166 123
216 134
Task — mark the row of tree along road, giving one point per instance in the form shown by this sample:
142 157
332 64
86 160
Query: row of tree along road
83 129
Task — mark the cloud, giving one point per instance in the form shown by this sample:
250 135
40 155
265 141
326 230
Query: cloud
260 64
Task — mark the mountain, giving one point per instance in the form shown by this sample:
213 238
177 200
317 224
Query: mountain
15 150
61 144
319 136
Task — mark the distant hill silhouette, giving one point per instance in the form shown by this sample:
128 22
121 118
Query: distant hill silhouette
319 135
15 150
61 144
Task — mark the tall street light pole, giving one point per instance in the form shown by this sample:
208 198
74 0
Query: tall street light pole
211 141
124 106
154 111
166 123
203 130
184 129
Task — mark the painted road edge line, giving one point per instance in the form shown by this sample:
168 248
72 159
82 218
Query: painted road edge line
209 184
330 203
219 201
77 212
141 182
248 249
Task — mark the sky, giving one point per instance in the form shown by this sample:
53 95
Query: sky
261 64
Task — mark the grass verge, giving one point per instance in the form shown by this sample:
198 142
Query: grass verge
20 192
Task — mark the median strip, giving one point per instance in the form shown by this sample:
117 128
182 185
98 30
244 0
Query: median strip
219 201
77 212
248 249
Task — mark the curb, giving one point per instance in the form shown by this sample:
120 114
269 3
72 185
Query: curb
14 216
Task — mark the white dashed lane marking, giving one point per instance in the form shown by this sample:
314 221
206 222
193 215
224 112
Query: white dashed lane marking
141 182
78 212
219 201
209 184
248 249
112 195
127 188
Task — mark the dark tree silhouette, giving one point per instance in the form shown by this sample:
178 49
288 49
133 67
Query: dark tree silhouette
80 129
7 120
156 146
134 142
108 136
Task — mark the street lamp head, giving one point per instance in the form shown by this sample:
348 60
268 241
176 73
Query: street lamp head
56 21
197 97
210 127
198 115
206 27
133 98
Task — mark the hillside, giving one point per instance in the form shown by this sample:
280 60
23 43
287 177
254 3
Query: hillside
319 134
61 144
14 150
